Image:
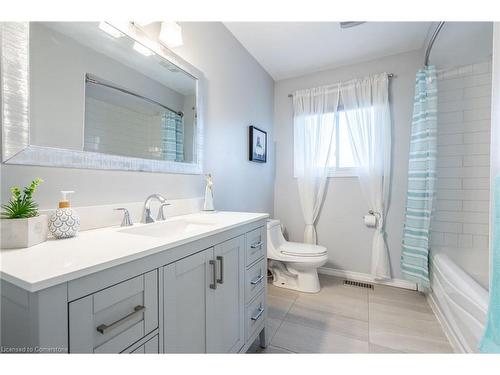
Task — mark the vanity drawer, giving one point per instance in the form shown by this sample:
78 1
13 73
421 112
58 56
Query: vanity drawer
255 315
111 320
255 279
149 347
255 245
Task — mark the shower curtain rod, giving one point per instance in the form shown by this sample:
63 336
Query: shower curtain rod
431 42
390 75
97 82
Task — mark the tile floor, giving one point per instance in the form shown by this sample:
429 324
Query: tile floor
346 319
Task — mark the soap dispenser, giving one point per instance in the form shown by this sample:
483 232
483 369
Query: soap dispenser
65 222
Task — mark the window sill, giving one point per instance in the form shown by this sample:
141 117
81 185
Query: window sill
343 176
347 172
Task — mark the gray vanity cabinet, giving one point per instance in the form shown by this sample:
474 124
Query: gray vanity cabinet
149 347
204 300
204 296
225 314
186 285
114 318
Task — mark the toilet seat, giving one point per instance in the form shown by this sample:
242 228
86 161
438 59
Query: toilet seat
296 249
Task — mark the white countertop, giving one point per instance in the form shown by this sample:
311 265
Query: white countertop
57 261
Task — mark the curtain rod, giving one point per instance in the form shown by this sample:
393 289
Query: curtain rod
97 82
390 75
431 42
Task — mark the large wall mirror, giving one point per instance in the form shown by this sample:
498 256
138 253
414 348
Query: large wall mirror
98 95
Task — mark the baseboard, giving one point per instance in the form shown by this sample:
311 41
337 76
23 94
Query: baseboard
399 283
450 334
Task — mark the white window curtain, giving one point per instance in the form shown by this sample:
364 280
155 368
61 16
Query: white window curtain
313 143
366 105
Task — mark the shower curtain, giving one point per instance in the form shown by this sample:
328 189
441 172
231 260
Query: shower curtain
421 180
490 342
172 137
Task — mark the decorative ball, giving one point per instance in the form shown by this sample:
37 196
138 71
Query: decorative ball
64 223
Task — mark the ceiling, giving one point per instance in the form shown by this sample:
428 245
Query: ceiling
462 43
290 49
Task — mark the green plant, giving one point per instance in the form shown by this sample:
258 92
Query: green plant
21 204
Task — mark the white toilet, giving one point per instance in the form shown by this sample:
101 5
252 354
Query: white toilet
294 265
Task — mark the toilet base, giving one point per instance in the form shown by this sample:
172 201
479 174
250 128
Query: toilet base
286 276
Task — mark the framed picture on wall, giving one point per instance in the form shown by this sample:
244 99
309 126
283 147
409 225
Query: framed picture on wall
257 144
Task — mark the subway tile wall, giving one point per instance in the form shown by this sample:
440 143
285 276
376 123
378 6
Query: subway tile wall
460 224
116 130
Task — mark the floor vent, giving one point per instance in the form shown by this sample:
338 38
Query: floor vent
358 284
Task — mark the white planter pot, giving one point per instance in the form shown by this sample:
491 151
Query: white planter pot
18 233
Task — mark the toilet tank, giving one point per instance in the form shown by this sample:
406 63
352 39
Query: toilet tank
274 235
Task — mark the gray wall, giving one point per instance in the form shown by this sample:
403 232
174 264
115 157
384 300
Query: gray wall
239 93
340 227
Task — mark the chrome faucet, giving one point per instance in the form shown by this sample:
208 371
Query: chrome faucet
146 212
126 221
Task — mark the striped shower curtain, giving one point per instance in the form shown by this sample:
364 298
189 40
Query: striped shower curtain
421 180
172 137
490 343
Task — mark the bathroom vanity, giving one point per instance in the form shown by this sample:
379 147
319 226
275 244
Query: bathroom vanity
190 284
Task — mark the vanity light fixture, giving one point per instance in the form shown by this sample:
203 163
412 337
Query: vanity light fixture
143 50
349 24
143 23
170 34
108 29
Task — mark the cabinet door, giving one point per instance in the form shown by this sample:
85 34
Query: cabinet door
186 285
225 309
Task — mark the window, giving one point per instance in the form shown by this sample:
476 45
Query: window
315 134
342 161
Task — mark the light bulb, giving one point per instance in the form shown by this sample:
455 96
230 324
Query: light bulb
171 34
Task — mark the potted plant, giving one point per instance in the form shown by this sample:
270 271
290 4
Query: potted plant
21 224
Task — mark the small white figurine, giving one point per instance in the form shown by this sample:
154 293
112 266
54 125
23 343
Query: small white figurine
209 194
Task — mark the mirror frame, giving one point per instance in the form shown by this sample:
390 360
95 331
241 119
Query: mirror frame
15 103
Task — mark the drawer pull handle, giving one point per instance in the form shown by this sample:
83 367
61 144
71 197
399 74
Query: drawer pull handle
214 276
257 245
221 260
258 280
259 313
103 328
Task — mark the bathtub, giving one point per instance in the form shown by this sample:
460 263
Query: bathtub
459 302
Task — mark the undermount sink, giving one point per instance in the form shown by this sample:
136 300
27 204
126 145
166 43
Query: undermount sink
170 228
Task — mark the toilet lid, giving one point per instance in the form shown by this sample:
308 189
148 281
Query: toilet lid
302 249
